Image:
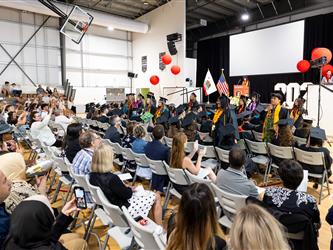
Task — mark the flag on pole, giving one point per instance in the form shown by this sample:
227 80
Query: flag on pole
222 85
209 85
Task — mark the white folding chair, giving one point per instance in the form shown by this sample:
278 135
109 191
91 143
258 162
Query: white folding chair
300 141
257 136
230 203
143 235
128 156
283 153
258 150
168 141
211 158
120 229
117 150
141 162
189 147
313 159
222 155
195 179
205 137
176 176
157 167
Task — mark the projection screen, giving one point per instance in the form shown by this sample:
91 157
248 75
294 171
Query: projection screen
268 51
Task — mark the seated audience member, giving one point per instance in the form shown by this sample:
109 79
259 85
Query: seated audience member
285 136
33 226
45 110
157 151
206 123
39 129
196 223
119 194
227 135
112 132
15 171
191 128
127 142
255 228
180 160
115 110
61 119
287 199
5 188
8 108
139 146
234 179
48 90
317 138
71 142
104 118
329 220
20 122
82 161
304 130
40 90
174 127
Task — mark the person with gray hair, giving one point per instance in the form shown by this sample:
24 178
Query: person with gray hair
61 119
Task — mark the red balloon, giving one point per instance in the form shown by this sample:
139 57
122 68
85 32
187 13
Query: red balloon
320 52
166 59
154 79
303 66
327 67
175 69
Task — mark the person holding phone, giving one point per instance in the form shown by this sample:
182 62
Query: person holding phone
180 160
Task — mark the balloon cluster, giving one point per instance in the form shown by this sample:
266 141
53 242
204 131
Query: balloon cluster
304 65
175 69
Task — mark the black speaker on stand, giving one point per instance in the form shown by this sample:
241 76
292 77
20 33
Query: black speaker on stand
132 75
171 39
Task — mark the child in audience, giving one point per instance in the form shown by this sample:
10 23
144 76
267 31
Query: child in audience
196 224
119 194
254 228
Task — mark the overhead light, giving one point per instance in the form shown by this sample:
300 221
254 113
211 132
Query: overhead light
145 3
110 28
245 16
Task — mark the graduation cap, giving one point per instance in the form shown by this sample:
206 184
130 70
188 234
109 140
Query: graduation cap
194 94
243 115
256 95
163 99
163 118
203 114
224 100
189 119
227 130
140 95
308 121
127 95
5 128
180 109
173 120
278 94
285 122
260 107
318 133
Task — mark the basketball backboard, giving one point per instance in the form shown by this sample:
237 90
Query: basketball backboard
76 24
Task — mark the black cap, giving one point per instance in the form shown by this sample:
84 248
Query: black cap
128 95
150 93
162 99
279 95
255 94
194 94
285 122
140 95
224 100
260 108
308 121
173 120
203 114
227 130
243 115
163 118
189 119
318 133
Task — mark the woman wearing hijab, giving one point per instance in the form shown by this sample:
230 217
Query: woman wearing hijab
33 226
13 167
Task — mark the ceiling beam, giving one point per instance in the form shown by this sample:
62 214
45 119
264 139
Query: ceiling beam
220 9
213 13
201 16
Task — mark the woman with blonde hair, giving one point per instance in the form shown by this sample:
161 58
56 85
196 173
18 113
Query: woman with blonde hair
196 223
180 160
255 228
119 194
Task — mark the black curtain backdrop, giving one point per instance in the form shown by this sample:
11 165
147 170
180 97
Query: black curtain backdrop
214 55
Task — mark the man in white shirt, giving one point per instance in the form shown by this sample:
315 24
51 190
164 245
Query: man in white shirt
40 129
61 119
45 110
46 98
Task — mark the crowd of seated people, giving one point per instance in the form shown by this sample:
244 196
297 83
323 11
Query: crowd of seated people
262 223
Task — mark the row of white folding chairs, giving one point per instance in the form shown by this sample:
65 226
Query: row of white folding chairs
258 137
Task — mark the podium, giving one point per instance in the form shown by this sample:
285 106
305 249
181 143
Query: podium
326 110
241 90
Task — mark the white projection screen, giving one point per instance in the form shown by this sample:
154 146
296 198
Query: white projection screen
268 51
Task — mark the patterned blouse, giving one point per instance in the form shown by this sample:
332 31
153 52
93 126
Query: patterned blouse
293 201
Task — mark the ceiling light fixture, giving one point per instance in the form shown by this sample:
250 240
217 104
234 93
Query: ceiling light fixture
110 28
245 16
145 3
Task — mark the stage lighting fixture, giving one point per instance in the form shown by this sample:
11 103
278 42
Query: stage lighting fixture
245 16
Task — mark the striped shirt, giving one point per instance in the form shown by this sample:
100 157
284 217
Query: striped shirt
82 161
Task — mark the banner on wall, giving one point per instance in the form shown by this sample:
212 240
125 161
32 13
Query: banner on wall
162 65
144 64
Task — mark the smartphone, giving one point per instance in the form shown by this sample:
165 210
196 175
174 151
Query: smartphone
80 197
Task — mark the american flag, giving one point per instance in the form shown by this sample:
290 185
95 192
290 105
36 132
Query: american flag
222 85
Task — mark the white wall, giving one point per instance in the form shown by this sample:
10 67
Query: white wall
40 59
167 19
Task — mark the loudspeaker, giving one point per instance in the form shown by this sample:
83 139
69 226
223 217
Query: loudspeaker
172 48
